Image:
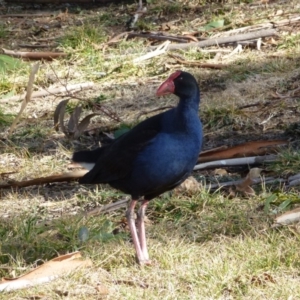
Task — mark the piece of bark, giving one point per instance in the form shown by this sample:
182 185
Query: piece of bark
223 40
287 218
34 55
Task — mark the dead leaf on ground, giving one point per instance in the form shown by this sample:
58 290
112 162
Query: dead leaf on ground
59 266
245 187
253 148
220 172
75 127
189 186
287 218
102 289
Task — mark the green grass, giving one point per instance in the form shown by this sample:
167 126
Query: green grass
287 163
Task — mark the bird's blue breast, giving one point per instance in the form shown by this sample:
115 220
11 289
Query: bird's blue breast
169 157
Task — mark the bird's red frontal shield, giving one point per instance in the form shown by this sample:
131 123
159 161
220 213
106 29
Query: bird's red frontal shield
168 87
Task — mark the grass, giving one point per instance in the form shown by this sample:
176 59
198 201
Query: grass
204 245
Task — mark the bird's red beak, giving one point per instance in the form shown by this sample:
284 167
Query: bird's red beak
168 87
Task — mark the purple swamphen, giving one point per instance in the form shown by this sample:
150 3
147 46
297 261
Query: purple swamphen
153 157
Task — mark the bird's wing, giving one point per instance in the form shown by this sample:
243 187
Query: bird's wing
116 160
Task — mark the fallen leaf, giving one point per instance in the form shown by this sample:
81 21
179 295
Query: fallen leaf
49 271
190 186
59 114
84 124
102 290
287 218
220 172
245 187
74 120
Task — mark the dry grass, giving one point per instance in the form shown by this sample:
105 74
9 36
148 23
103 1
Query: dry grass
204 246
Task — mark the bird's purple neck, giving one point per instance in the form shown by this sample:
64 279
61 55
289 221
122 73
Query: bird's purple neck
186 113
189 103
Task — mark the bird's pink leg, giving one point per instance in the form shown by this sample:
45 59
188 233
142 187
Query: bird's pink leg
133 231
142 231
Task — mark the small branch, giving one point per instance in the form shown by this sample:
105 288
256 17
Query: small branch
34 55
108 208
70 176
224 40
159 50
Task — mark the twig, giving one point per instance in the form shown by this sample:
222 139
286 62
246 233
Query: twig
27 98
161 49
108 208
224 40
106 111
69 89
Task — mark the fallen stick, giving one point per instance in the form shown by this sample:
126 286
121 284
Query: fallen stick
70 176
34 55
223 40
53 91
236 162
